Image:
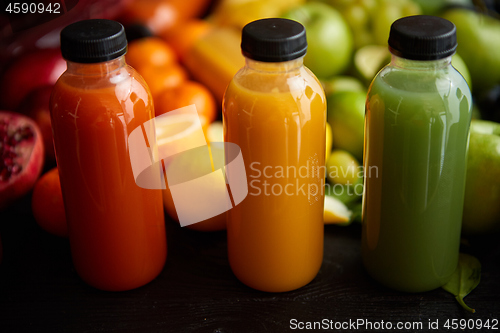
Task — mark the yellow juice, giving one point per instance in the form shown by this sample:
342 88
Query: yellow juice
276 113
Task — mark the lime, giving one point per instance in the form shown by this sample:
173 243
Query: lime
347 194
335 212
370 59
343 168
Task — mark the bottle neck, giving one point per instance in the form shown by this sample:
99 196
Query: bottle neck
99 69
273 67
420 64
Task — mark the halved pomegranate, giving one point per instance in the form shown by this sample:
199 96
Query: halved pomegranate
21 156
36 106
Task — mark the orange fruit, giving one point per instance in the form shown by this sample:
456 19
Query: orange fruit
182 37
47 204
160 78
149 51
187 93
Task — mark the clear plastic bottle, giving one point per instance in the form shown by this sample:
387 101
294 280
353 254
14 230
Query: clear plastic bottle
275 110
116 229
418 113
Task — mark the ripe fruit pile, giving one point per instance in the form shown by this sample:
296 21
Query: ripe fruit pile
187 51
28 78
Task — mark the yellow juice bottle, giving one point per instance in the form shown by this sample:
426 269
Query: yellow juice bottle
274 109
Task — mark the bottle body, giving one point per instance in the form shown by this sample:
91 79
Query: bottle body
116 228
276 113
416 141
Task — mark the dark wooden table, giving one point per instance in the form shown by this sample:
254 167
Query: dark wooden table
196 291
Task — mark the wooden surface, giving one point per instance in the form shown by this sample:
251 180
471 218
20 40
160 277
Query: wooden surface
196 292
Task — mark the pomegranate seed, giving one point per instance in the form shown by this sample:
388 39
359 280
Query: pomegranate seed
26 132
16 168
16 138
20 135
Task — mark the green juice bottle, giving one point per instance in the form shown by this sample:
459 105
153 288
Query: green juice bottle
418 112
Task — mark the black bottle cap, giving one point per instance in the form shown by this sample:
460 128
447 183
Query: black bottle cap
92 41
273 40
423 37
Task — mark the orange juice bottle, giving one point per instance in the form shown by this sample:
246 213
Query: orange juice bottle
116 229
275 110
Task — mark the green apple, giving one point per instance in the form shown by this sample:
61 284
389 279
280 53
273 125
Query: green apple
433 7
342 83
328 37
482 189
430 7
478 37
346 114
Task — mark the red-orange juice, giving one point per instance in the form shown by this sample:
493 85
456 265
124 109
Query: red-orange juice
116 228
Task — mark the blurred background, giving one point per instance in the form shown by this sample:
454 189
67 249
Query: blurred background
188 51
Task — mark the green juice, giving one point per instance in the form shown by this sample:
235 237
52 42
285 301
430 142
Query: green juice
416 141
